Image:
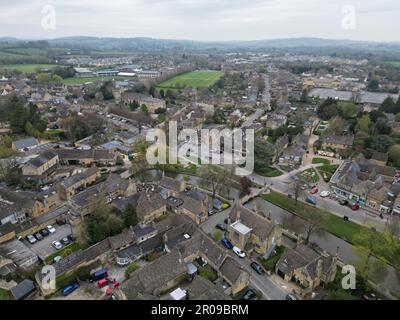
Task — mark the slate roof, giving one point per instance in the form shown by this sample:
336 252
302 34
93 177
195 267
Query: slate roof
230 270
42 159
259 225
26 143
23 289
148 203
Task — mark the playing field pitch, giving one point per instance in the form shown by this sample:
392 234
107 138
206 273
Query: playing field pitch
194 79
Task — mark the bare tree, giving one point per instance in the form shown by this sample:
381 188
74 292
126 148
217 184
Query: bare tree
314 223
213 178
296 188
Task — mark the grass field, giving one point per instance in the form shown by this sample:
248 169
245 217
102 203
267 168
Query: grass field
91 79
4 294
335 225
394 63
194 79
26 68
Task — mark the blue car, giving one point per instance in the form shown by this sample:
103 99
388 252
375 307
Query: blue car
226 243
69 289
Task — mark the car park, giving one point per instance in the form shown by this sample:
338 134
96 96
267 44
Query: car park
57 245
239 252
44 232
325 194
227 243
255 266
221 227
31 239
38 236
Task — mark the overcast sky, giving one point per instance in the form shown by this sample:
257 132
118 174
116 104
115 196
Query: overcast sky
377 20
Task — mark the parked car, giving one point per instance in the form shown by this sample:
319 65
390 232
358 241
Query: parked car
61 221
325 194
44 232
311 200
355 207
65 241
314 190
57 245
239 252
255 266
212 211
57 259
250 294
187 236
201 262
227 243
291 297
31 239
98 275
70 288
51 228
38 236
220 226
343 202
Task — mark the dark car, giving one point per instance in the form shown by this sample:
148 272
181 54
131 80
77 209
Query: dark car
250 294
343 202
38 236
220 226
227 243
226 221
201 262
61 221
44 232
291 297
255 266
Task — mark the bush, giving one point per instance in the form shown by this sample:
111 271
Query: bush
131 268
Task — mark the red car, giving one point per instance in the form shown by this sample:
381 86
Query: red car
314 190
355 206
107 281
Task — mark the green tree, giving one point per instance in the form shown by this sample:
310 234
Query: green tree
43 78
394 154
18 118
130 216
7 140
363 123
349 109
397 117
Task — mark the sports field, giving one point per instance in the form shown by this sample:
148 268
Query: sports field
92 79
394 63
26 68
194 79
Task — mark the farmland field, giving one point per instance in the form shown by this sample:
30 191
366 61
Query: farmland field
194 79
26 68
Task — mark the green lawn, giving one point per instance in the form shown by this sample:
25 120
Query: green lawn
4 294
92 79
269 264
208 273
194 79
26 68
335 225
320 160
268 172
64 251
